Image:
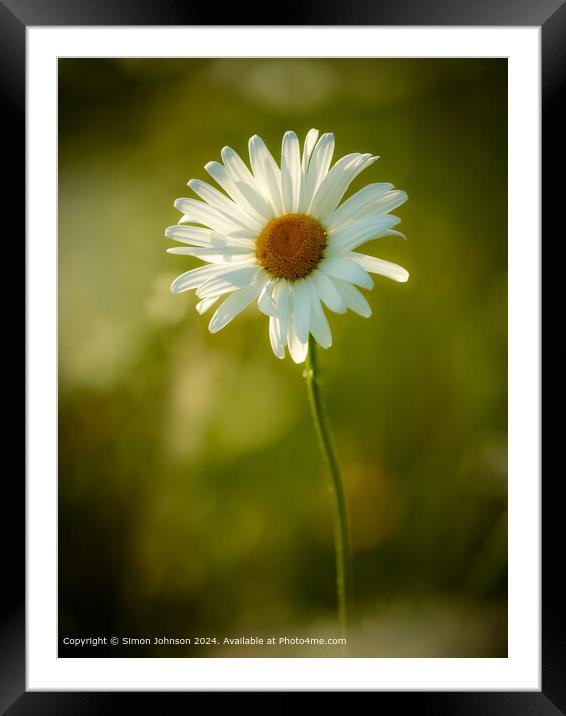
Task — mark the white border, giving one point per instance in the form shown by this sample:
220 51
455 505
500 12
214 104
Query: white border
521 670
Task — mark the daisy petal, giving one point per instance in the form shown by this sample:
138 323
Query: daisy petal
195 277
237 181
300 296
321 159
310 143
215 292
390 201
195 235
392 232
226 280
280 298
205 304
246 182
318 322
265 301
277 345
337 181
278 324
205 238
357 205
317 170
201 213
356 233
266 172
223 255
219 201
298 349
353 298
232 306
347 270
290 172
381 267
327 292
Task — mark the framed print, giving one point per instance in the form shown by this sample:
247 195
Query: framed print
283 356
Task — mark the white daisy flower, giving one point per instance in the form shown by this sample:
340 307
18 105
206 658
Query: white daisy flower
279 236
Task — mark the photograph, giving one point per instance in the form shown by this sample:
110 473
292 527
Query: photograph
282 357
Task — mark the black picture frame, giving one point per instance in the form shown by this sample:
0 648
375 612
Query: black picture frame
15 17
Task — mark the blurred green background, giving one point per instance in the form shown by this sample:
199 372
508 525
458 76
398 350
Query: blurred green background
192 497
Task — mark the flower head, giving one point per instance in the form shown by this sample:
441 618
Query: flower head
279 236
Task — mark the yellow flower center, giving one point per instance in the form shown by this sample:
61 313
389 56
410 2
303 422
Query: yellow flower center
291 246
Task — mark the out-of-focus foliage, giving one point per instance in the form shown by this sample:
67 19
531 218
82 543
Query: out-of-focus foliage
192 498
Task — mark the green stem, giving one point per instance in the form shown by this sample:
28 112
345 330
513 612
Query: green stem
343 568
